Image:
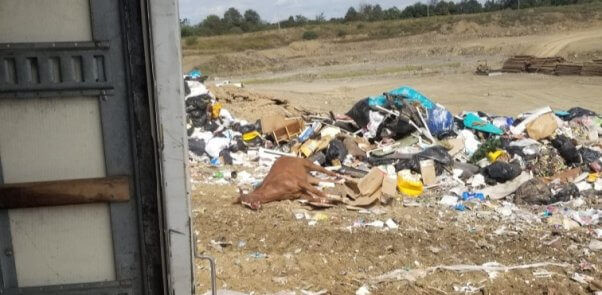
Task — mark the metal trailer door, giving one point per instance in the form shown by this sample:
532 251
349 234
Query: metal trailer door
73 105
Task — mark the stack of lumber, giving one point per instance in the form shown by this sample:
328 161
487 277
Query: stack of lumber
517 64
565 69
555 65
544 65
592 68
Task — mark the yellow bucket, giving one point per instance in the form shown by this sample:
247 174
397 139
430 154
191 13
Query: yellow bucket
216 108
250 135
409 184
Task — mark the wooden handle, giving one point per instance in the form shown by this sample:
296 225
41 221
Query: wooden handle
65 192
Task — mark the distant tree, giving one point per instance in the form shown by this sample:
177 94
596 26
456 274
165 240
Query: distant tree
492 5
232 18
392 13
300 20
443 7
185 28
252 17
213 25
320 18
470 6
365 11
351 15
376 14
416 10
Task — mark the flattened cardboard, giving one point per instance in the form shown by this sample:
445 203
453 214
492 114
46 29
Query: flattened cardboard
427 170
389 187
366 201
371 182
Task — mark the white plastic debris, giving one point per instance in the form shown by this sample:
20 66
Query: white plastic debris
449 201
471 144
376 223
595 245
583 186
363 290
391 224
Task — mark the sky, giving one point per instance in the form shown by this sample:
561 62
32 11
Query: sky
274 10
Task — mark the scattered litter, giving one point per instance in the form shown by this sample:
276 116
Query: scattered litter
258 255
363 290
595 245
413 274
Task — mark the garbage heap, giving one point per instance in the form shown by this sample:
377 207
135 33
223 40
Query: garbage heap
403 145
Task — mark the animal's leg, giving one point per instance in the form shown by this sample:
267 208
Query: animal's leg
315 192
316 181
313 167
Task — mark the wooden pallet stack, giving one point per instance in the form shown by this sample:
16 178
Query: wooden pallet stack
555 65
565 69
517 64
544 65
592 68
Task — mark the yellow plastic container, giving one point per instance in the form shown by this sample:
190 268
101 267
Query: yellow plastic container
493 156
408 184
592 177
216 108
250 135
309 147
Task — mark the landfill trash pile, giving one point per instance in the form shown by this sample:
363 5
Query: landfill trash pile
401 145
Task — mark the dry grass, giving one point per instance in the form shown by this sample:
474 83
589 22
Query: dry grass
361 31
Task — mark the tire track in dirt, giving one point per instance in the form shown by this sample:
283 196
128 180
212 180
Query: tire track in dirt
555 45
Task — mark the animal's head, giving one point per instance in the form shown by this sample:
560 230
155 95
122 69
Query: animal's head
249 200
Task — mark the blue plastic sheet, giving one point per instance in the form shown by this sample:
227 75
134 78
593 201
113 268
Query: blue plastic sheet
413 95
473 121
439 121
195 74
381 100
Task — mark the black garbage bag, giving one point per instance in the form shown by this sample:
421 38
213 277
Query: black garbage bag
567 150
589 155
196 109
360 113
576 113
396 128
336 150
225 154
502 171
196 146
239 145
437 153
407 164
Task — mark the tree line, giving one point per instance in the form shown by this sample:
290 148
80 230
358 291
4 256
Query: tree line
233 22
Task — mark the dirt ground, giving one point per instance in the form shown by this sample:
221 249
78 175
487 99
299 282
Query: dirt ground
269 251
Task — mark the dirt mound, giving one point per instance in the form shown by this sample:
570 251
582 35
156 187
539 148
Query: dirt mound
249 61
250 105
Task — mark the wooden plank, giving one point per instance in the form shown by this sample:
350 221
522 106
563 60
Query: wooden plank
65 192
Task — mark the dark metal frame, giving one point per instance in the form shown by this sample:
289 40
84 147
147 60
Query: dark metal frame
129 139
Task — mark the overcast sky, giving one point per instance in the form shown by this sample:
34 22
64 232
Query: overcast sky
273 10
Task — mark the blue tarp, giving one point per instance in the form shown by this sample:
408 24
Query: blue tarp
473 121
413 95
